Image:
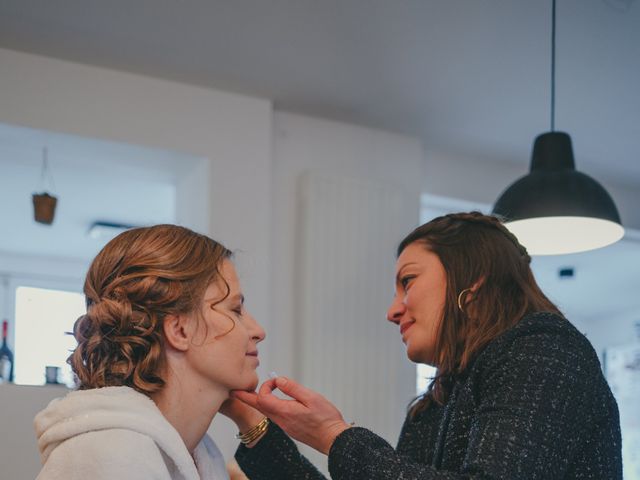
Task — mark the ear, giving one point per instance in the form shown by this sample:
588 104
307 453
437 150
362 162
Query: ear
177 331
474 288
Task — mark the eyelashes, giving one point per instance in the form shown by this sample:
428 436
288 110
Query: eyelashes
406 280
237 310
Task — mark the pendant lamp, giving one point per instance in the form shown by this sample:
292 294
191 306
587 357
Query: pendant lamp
556 209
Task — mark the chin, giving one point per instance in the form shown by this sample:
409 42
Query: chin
414 357
420 356
252 384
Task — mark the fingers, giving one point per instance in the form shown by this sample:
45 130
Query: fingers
272 405
250 398
267 387
292 389
265 401
306 416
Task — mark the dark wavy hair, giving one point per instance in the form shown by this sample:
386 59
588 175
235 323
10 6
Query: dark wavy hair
475 248
137 279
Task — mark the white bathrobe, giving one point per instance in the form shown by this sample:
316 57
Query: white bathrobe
117 433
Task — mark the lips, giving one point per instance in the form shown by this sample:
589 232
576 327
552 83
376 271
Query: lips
255 356
405 326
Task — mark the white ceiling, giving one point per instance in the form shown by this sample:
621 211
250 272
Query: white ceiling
465 75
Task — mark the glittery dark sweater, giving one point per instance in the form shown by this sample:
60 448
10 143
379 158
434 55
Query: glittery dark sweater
534 405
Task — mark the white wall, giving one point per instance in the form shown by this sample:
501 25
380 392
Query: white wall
230 199
304 144
232 131
616 330
193 196
369 159
243 191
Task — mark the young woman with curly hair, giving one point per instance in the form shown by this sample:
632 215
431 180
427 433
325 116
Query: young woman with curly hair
518 394
165 339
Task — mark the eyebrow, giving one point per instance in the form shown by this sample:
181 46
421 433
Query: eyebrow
234 297
401 269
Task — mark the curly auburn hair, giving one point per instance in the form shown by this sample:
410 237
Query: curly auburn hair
475 248
137 279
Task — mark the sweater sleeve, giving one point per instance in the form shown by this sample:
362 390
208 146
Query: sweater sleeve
533 405
275 456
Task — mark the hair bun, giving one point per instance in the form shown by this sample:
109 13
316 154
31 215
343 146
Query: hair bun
115 340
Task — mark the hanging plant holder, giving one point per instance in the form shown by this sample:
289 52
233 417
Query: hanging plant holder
44 207
44 204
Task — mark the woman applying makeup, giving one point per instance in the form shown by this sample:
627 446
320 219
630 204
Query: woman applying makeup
518 394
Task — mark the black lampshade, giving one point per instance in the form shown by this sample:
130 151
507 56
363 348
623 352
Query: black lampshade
563 208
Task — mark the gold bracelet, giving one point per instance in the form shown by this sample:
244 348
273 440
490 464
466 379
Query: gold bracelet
254 433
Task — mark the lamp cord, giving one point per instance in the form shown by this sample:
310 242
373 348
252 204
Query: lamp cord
553 63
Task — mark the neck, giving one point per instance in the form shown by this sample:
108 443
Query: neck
189 405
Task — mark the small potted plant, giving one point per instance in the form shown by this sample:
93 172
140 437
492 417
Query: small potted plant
44 207
44 204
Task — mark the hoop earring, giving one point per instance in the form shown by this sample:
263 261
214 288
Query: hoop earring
460 298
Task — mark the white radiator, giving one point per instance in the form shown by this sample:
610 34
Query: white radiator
346 349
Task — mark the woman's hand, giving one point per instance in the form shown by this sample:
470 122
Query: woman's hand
307 417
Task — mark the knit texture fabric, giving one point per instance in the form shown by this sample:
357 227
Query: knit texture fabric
534 405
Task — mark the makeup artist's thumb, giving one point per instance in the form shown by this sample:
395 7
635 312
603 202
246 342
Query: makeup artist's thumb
294 389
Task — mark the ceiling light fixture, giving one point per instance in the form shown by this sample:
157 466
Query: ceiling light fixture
555 209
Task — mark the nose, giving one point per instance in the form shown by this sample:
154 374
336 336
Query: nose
255 329
396 310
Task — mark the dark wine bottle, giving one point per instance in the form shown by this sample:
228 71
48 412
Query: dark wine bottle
6 356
